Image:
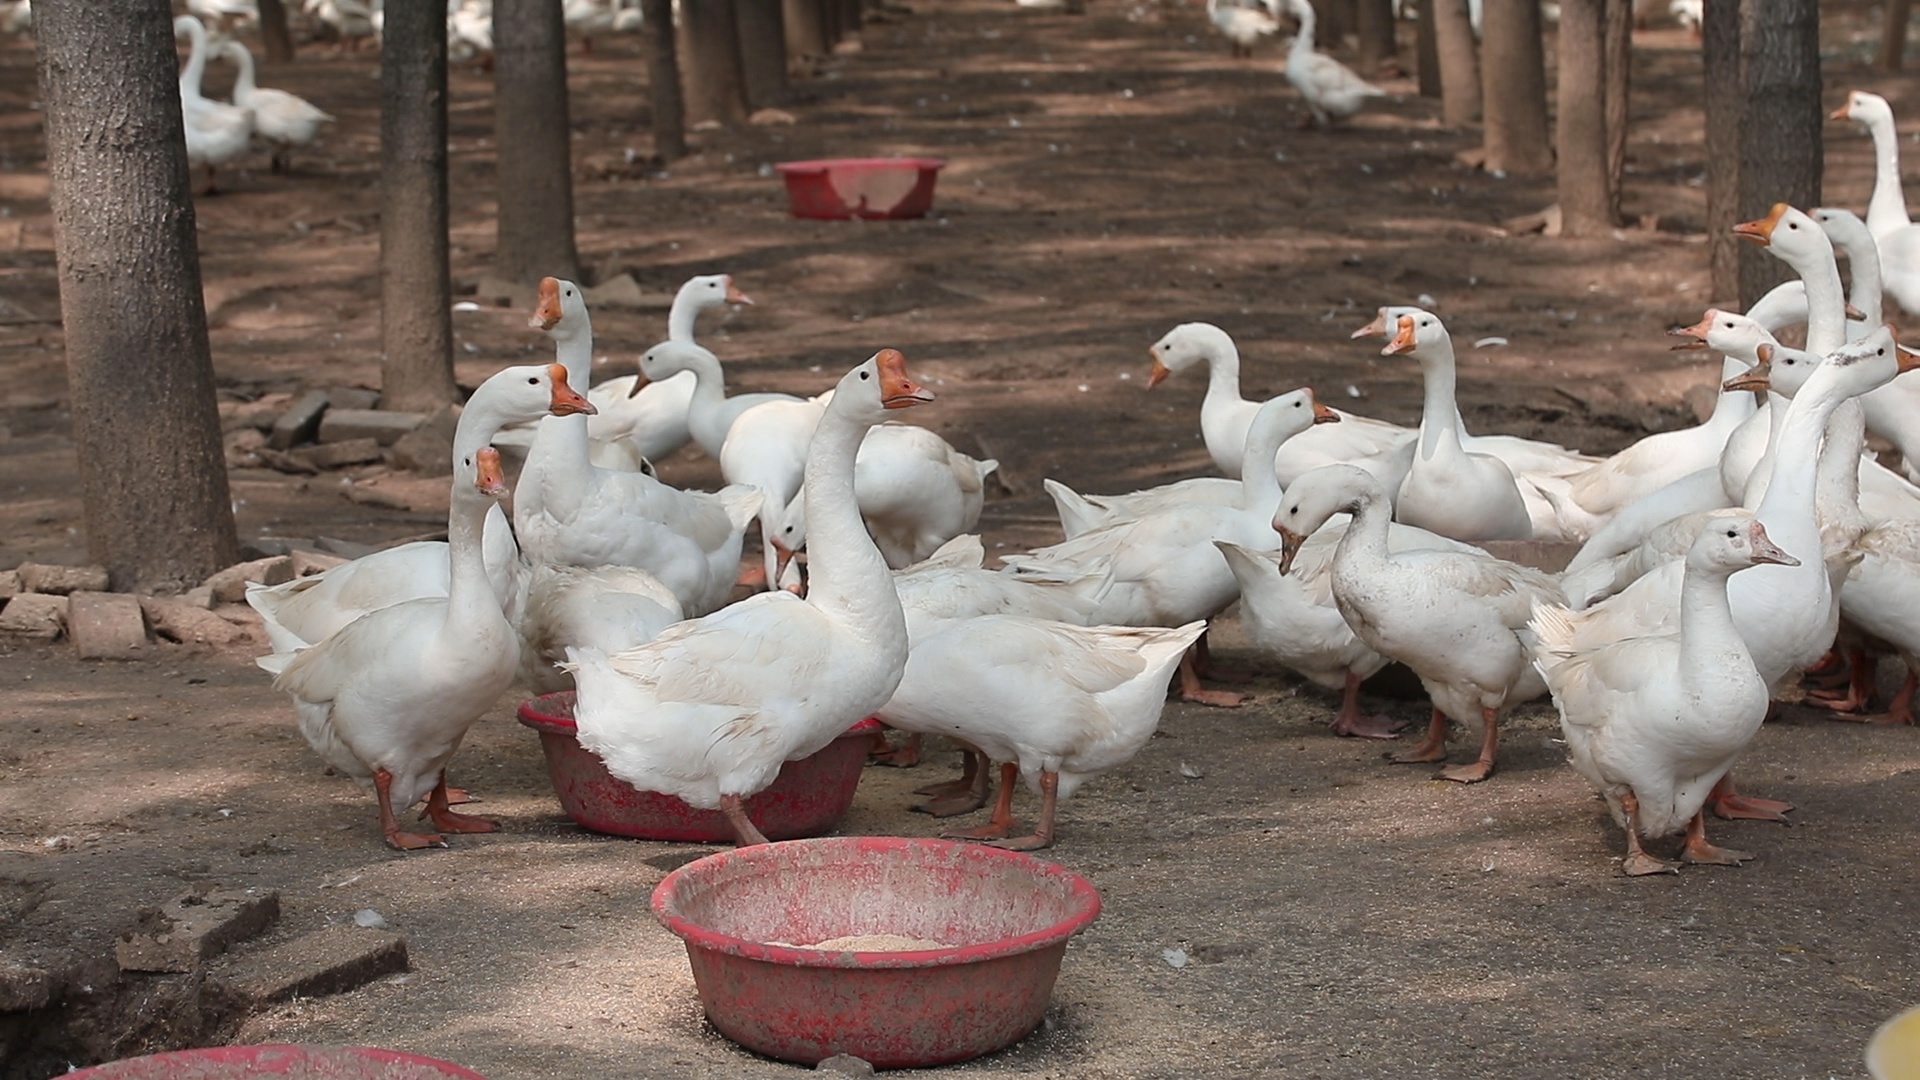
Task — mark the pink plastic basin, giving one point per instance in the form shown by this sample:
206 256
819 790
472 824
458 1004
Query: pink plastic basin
838 188
291 1062
1006 915
808 798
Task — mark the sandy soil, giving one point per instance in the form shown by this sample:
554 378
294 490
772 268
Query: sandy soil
1110 176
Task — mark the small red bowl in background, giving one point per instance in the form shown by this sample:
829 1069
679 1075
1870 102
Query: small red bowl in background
235 1062
808 798
841 188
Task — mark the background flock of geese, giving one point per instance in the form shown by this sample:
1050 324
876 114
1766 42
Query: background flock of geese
1718 562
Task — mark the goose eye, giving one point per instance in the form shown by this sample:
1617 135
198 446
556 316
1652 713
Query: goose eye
863 376
534 381
1793 224
1880 352
466 461
569 292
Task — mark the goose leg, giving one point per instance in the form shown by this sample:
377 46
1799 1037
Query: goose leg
1853 692
1204 666
962 796
1481 768
446 820
1042 836
1431 748
1190 689
1353 723
904 756
1001 823
390 826
1699 852
1730 804
1638 863
1899 710
744 832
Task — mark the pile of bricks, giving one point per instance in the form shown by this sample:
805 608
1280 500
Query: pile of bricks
337 428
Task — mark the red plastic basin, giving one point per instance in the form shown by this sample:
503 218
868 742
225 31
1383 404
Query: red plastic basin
292 1062
1007 915
808 798
839 188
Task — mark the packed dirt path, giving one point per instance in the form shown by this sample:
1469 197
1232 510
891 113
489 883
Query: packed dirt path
1109 176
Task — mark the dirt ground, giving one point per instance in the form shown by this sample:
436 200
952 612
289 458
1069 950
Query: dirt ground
1109 176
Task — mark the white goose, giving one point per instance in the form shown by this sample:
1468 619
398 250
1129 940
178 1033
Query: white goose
766 449
915 490
1653 723
308 610
1243 23
1331 89
710 710
710 412
609 608
388 699
570 512
652 420
216 132
1459 621
1893 231
1163 569
282 119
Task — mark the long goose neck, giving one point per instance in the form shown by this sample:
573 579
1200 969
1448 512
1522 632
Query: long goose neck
1837 477
846 574
1223 372
1826 304
1887 206
1787 509
709 382
1863 263
682 316
574 351
196 58
1363 548
1303 41
1709 638
1732 407
1259 483
1440 411
563 440
470 594
243 84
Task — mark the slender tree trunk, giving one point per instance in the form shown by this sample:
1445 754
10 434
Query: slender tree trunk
1373 21
763 51
535 174
1893 35
1459 63
1619 78
416 290
663 82
848 15
1427 51
806 27
1720 63
1334 20
152 473
273 31
1586 206
710 62
1780 138
1513 77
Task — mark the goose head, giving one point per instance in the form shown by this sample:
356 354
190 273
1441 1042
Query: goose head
1735 542
1842 226
1778 368
516 395
1867 364
1283 417
1726 332
1864 109
1791 235
712 290
1183 346
1386 322
1417 332
1315 497
872 390
561 310
670 358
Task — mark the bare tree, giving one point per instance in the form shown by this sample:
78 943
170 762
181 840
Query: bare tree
1893 35
152 473
1373 23
1426 51
1591 133
1459 63
1513 80
535 173
273 31
763 51
1762 60
663 82
416 288
710 62
806 27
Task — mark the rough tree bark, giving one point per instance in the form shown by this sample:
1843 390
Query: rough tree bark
1762 60
1893 35
535 173
274 36
1426 52
1373 23
1580 133
153 476
806 27
1617 92
1459 63
663 82
710 63
1513 78
416 289
763 51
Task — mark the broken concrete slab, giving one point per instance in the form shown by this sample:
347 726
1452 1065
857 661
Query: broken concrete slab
330 961
337 455
24 987
34 617
9 583
385 428
428 449
61 580
106 626
352 397
188 930
229 586
186 623
300 422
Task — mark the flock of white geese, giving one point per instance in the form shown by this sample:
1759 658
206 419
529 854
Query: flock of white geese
1718 562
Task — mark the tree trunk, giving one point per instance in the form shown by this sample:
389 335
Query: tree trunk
763 51
1513 77
153 476
416 291
1333 21
1426 52
1720 64
1459 63
710 62
273 31
1373 22
535 175
1618 49
806 28
1586 205
848 18
663 82
1893 35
